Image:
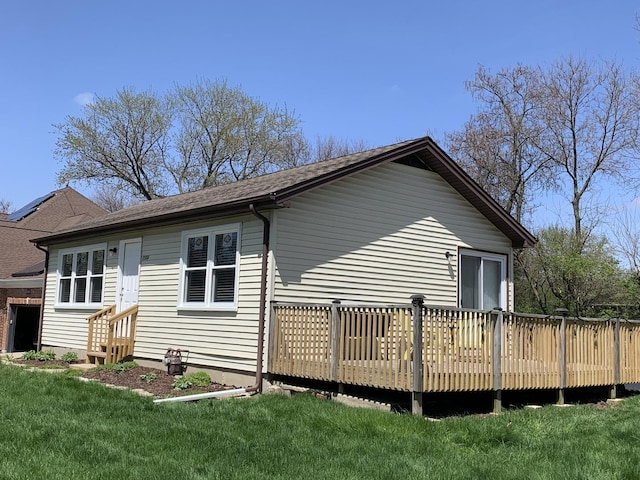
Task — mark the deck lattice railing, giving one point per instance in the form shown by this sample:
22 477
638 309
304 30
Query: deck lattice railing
454 350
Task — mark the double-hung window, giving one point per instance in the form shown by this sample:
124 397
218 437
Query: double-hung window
81 276
483 280
209 268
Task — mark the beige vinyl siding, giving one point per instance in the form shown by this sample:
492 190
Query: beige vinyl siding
65 327
216 339
379 236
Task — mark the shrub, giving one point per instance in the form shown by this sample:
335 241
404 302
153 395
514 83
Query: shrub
45 355
41 356
30 355
69 357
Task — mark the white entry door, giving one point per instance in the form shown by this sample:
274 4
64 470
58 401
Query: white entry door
128 272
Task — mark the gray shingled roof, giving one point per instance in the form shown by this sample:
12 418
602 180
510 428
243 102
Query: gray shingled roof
275 189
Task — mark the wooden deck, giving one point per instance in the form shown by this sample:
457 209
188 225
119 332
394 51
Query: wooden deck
454 350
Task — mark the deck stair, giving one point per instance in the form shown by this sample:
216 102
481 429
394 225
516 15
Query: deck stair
111 335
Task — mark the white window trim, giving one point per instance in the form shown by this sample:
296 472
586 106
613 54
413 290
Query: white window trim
498 257
80 305
208 304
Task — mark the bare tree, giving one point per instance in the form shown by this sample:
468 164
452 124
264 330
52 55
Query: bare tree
590 118
122 141
627 239
331 147
5 205
146 145
562 128
111 198
498 144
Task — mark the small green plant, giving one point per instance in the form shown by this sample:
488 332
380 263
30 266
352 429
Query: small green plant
45 355
199 379
148 377
41 356
30 355
123 366
196 379
116 367
69 357
182 383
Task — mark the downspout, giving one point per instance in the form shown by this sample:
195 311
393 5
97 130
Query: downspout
44 292
257 387
263 297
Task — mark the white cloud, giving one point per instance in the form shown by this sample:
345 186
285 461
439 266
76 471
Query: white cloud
84 98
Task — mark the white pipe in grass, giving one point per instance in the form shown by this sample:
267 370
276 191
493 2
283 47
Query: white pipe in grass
203 396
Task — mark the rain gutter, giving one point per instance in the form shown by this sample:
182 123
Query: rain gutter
257 387
263 297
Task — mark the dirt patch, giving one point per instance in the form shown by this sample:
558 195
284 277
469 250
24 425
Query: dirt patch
156 382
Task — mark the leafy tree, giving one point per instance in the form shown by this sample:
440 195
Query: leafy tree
224 135
562 271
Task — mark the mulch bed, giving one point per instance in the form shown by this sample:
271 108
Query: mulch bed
161 386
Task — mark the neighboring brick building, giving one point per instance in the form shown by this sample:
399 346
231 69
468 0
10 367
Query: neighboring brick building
22 264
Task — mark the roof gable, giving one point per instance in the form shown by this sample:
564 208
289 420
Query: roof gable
277 189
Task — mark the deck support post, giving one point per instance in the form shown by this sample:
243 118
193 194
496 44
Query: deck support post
335 340
562 354
497 361
417 302
613 393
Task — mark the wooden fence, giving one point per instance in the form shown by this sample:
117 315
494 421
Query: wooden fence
422 349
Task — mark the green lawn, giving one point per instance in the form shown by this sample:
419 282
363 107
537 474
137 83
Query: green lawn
53 426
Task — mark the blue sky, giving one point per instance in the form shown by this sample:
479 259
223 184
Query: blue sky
377 71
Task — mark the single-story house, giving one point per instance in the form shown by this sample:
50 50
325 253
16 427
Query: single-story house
202 267
22 264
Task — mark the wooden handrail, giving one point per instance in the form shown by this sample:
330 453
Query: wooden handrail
105 311
111 335
124 313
